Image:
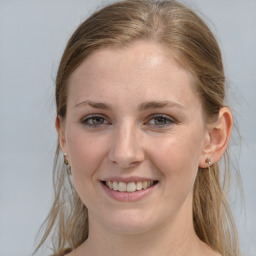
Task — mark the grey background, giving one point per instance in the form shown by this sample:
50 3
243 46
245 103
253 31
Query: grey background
33 34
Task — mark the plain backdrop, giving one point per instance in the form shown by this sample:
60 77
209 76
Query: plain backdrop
33 34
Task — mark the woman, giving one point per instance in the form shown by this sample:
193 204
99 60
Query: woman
142 126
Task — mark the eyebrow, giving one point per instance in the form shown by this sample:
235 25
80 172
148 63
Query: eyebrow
159 104
97 105
142 107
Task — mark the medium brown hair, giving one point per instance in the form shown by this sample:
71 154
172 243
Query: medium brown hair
170 24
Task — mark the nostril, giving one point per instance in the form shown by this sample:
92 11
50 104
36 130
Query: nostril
125 154
126 164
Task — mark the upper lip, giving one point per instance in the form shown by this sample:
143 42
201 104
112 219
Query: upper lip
128 179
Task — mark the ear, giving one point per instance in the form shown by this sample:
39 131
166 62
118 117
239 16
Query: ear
217 138
60 127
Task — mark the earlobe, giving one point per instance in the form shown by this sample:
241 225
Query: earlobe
59 125
218 137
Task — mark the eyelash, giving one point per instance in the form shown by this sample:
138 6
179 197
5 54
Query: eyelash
168 121
87 119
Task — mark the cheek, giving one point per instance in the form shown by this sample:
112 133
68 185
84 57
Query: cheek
177 158
86 154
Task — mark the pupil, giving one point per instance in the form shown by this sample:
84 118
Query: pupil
97 120
160 120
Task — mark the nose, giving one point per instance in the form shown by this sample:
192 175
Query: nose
126 147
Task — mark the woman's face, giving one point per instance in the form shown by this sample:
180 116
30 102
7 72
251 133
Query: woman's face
134 135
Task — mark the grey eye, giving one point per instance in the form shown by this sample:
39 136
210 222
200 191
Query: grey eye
160 120
96 120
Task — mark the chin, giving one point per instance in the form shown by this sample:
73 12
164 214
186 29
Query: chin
130 222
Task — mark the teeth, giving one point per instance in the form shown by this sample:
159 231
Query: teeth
129 187
122 187
110 184
139 185
144 184
115 185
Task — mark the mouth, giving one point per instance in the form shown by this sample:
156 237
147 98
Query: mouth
129 187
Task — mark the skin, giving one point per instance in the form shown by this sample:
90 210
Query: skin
128 139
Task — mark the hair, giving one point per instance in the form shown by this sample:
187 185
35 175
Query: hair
181 31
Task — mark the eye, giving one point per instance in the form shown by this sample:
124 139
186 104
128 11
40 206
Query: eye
94 121
160 120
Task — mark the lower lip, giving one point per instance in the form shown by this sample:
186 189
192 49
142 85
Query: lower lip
128 196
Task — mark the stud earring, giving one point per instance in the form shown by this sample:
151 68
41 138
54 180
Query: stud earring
65 159
208 161
67 164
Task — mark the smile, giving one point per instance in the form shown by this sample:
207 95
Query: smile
129 187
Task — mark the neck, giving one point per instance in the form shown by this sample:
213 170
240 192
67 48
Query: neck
154 242
176 238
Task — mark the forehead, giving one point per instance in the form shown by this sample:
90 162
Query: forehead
142 68
143 53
